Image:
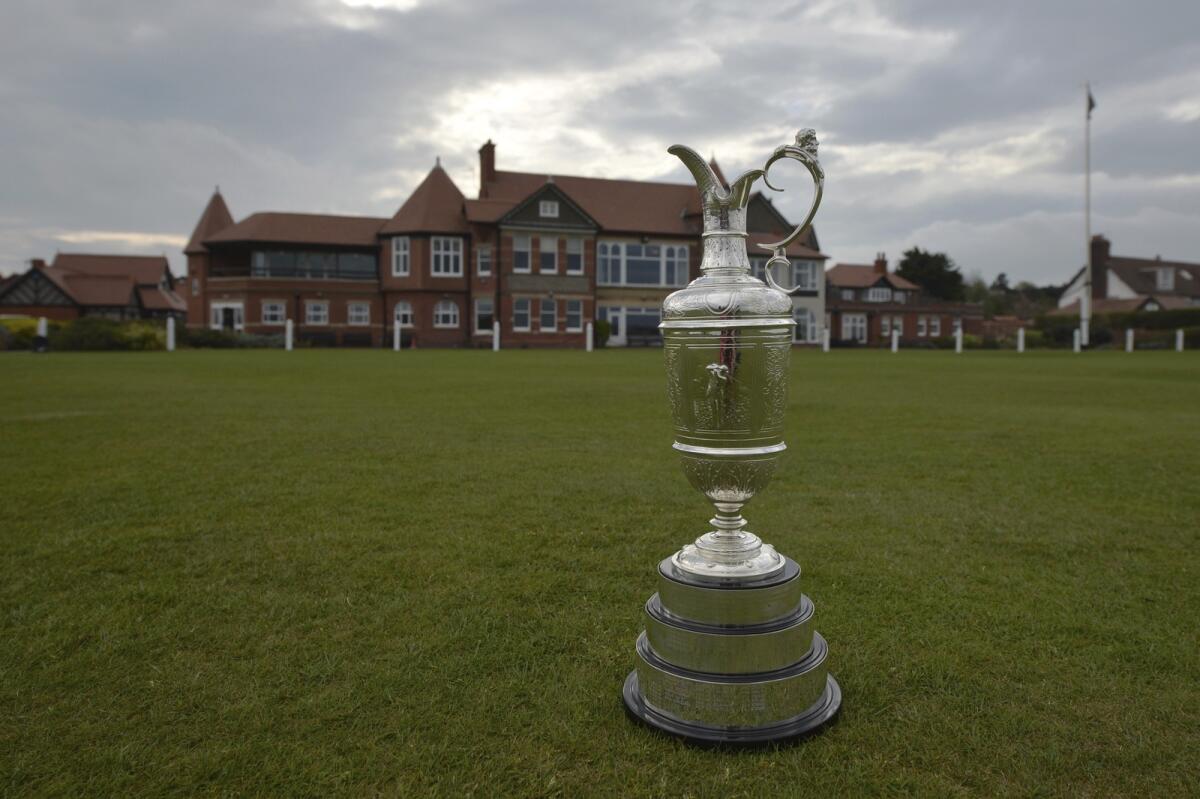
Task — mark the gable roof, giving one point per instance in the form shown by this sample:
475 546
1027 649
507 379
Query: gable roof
435 206
287 228
575 217
216 217
1107 305
1140 273
625 206
147 269
158 299
863 275
105 290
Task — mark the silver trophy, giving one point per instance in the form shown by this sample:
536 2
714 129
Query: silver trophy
729 654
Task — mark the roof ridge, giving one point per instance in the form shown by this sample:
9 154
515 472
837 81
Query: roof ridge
543 175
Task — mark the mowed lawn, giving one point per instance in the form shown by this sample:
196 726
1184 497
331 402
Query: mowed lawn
357 572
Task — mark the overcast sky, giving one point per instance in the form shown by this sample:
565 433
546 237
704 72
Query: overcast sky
951 125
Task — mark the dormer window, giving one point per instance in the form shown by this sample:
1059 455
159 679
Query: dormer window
548 209
879 294
1164 279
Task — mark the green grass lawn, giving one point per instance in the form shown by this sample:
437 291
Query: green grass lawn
357 572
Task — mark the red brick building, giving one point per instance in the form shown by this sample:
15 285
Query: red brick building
111 286
865 303
543 255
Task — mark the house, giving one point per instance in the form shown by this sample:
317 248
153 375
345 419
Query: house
865 303
112 286
1121 284
542 255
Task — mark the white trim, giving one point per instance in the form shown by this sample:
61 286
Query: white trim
239 316
854 327
1118 289
541 305
480 251
548 209
484 331
311 304
567 317
350 306
609 249
528 315
401 256
449 251
542 253
406 307
446 307
262 312
574 241
527 240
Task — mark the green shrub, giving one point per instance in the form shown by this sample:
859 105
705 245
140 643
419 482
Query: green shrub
1035 338
144 335
209 338
89 333
600 333
18 333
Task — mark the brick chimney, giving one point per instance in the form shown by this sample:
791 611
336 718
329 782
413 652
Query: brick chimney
1101 251
880 263
487 166
37 263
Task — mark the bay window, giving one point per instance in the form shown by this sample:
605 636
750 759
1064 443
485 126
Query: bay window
639 264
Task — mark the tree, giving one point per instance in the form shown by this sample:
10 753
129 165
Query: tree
1001 283
934 272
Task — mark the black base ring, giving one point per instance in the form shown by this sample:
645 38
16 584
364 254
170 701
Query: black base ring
812 721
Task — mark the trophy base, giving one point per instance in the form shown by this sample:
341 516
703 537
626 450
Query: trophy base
812 721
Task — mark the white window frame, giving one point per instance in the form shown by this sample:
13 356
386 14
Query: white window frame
567 316
922 326
280 304
548 209
195 287
879 294
804 275
541 314
935 326
1164 279
854 327
574 247
479 331
309 306
848 295
899 297
446 256
239 315
542 253
351 306
805 331
885 325
446 307
523 242
402 308
483 255
528 305
401 256
898 325
618 249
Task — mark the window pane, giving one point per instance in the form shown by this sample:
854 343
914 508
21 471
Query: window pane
521 314
642 264
548 254
547 315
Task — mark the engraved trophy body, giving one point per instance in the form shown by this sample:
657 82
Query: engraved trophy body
729 653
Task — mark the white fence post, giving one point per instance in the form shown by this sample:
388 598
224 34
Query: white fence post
41 344
396 337
495 336
1129 339
1179 339
170 334
1075 340
1020 339
825 339
958 340
895 340
43 328
1084 331
588 333
287 335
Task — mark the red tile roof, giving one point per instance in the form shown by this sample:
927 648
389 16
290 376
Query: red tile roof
157 299
619 206
863 275
286 228
216 217
106 290
1107 305
146 269
436 206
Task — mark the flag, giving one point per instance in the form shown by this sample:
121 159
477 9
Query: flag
1091 102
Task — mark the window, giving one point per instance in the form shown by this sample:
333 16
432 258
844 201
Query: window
898 296
445 314
879 294
483 260
848 295
548 208
195 287
483 316
547 315
935 325
358 313
885 326
806 325
521 314
804 275
400 256
676 262
403 314
547 254
316 313
446 255
922 323
273 312
521 254
313 264
898 325
574 316
574 256
643 264
854 327
608 264
1164 279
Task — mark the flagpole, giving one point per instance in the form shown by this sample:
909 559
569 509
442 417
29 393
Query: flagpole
1085 304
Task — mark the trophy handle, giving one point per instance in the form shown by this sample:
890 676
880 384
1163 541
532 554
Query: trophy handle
804 151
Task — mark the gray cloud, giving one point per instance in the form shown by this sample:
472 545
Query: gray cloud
948 125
